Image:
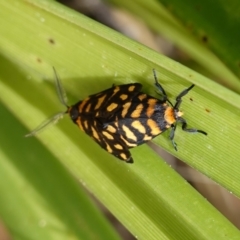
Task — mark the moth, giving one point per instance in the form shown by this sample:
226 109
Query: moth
123 117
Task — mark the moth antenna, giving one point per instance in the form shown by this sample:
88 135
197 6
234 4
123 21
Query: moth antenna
48 122
60 90
160 88
53 120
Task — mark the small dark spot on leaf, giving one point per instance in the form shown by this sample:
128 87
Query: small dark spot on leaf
204 39
51 41
191 99
207 110
39 60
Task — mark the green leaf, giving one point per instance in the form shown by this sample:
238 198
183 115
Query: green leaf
163 22
148 197
38 194
215 24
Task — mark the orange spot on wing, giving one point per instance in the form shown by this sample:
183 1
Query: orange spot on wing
109 148
79 123
151 107
88 107
169 115
138 125
116 123
95 134
131 88
111 107
142 96
123 96
100 101
155 130
147 138
126 106
82 104
123 156
128 143
129 133
86 124
107 135
111 129
116 89
137 112
118 146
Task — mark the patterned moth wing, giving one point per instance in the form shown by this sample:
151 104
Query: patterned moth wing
94 113
145 117
142 119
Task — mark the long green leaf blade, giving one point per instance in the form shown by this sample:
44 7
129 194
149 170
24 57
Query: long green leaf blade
219 31
154 14
147 197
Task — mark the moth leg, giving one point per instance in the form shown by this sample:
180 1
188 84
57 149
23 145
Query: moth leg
180 95
172 134
190 130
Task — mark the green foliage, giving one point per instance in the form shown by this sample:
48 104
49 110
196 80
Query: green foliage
148 197
215 24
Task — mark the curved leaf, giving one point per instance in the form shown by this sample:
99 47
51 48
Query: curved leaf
148 197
